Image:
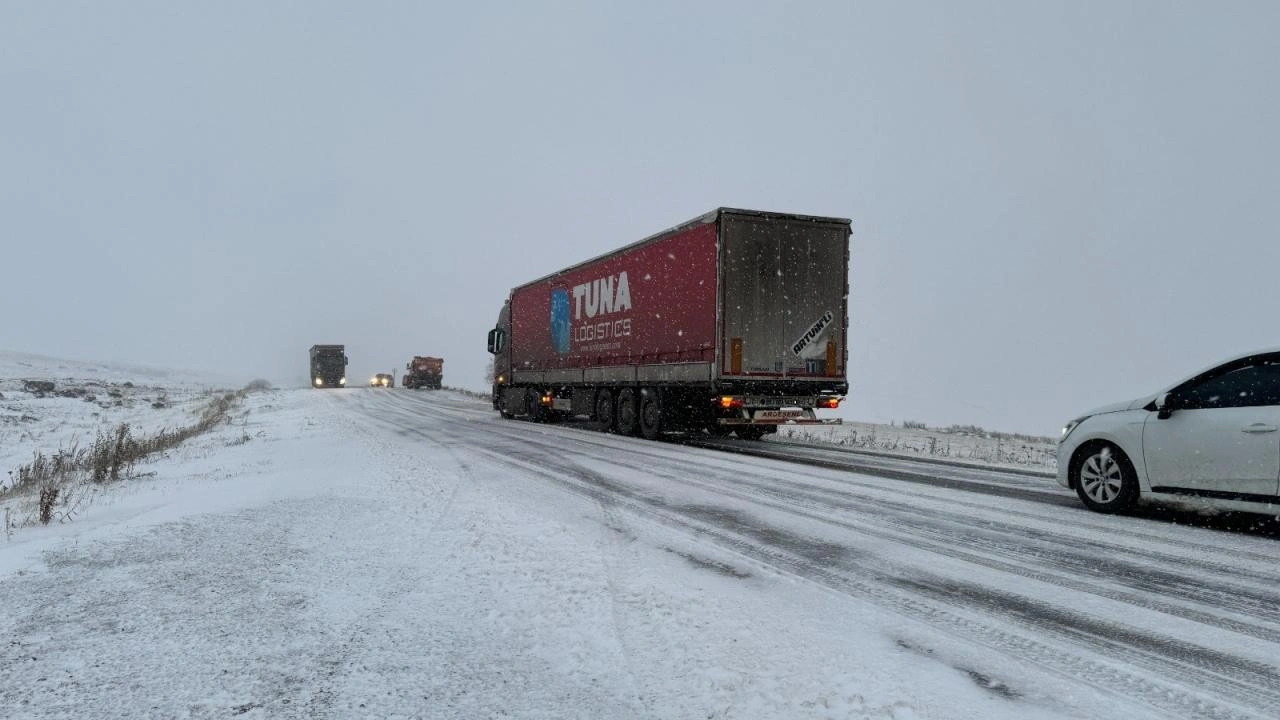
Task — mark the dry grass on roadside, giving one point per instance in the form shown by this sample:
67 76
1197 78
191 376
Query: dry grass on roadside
112 456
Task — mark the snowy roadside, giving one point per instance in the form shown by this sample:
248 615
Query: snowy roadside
47 404
970 447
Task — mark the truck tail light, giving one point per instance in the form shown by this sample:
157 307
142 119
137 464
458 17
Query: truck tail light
830 403
729 402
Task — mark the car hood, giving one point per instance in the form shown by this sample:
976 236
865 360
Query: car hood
1121 406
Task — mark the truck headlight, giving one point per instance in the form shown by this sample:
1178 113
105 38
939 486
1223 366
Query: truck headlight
319 381
343 381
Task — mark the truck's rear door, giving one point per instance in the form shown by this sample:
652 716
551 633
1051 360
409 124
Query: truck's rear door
784 281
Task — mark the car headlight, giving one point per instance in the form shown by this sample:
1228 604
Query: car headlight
1069 427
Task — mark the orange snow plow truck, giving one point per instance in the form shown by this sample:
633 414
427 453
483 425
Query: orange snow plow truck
423 372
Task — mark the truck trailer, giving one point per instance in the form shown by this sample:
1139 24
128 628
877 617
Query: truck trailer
735 321
328 366
423 372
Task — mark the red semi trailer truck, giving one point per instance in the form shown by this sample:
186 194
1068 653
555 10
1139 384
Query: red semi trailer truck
734 321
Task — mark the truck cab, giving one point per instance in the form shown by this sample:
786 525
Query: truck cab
499 347
328 366
423 371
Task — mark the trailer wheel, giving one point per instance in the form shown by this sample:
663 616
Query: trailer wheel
650 414
533 404
750 432
718 430
604 411
628 423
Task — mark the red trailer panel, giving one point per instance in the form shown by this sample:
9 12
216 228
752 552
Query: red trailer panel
653 304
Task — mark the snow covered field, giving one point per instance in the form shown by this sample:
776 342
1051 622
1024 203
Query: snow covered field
84 398
386 553
987 449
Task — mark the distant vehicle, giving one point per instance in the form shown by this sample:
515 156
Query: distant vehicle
733 321
423 372
328 366
383 380
1212 436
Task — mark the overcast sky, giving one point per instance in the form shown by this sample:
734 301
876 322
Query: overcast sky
1055 205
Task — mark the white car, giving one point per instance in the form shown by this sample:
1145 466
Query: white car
1212 436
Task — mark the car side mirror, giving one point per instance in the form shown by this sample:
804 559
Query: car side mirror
1165 404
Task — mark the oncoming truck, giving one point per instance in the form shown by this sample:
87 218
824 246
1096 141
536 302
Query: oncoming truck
423 371
735 321
328 366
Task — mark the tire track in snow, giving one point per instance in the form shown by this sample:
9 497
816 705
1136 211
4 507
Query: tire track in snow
613 532
924 594
949 537
1079 518
925 598
972 480
1086 558
334 663
1089 560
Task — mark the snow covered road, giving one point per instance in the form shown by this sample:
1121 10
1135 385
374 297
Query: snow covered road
408 554
1178 619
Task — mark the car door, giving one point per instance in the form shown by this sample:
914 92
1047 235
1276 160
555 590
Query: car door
1222 438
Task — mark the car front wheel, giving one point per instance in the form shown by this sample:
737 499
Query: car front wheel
1105 479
